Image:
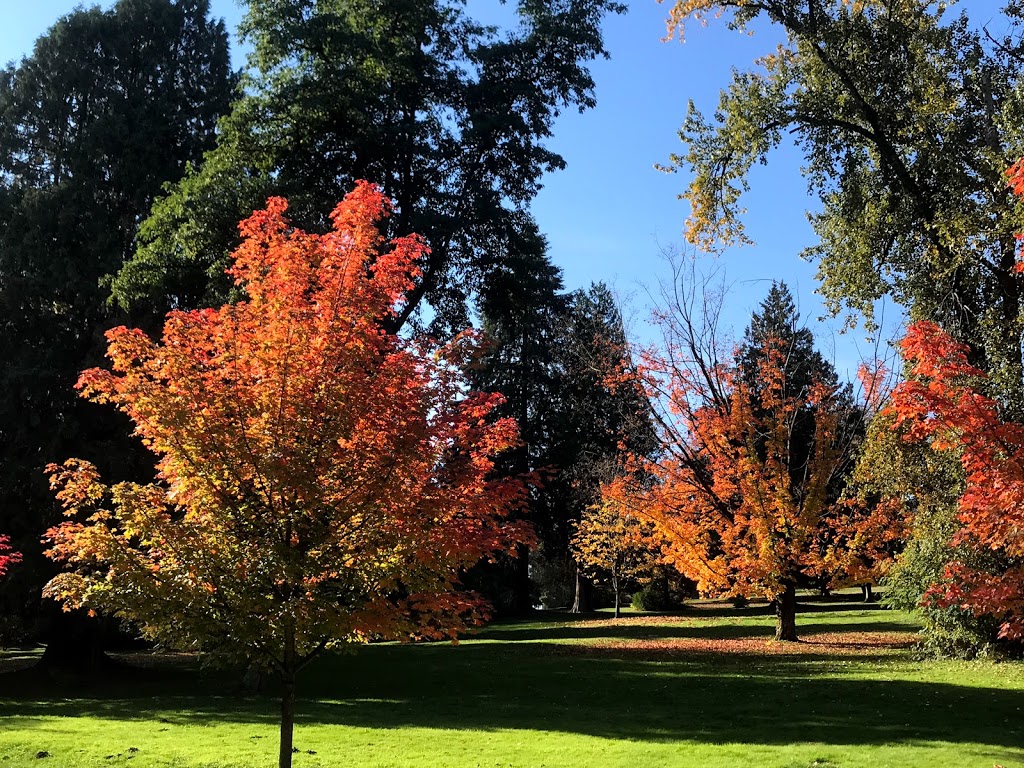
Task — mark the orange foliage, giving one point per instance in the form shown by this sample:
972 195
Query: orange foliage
614 545
320 480
942 404
739 515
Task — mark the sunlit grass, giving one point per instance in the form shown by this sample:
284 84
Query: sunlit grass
704 689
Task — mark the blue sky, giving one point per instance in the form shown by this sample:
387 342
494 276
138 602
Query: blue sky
610 215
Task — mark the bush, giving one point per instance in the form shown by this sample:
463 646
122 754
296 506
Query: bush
654 596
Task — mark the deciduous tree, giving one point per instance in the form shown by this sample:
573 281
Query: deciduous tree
906 117
615 547
321 481
747 501
8 556
943 405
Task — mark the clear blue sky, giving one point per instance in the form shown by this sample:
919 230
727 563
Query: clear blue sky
610 215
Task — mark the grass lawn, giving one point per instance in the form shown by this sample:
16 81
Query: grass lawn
703 689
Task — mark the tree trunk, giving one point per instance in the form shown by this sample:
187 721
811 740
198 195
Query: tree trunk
615 588
287 719
582 602
74 645
785 614
521 586
284 759
869 596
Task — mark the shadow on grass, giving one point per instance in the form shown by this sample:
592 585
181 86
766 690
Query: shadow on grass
556 686
692 624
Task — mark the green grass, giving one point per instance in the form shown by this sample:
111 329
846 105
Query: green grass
706 691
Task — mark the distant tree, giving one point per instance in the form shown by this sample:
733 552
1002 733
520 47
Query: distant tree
321 481
744 492
616 548
108 107
521 308
448 114
604 415
555 357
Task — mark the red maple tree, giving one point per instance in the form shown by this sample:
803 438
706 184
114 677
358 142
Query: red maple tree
321 481
942 404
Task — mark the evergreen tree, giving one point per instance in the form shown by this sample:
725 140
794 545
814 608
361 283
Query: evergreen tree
109 106
450 116
601 415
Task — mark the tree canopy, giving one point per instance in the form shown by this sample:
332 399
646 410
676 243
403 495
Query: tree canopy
907 120
320 480
449 115
746 489
109 106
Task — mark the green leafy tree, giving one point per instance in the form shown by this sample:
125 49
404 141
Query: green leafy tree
449 115
555 358
776 325
907 120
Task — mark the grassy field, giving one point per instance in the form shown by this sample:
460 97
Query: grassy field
705 689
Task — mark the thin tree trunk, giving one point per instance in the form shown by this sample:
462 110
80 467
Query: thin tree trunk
785 614
869 596
287 702
582 602
615 587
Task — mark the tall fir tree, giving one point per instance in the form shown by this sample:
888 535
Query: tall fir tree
449 115
108 107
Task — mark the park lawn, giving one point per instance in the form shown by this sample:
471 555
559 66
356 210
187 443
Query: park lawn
702 689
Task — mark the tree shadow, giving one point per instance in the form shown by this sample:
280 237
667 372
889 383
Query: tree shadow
552 685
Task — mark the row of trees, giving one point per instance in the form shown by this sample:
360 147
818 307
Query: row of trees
328 471
129 152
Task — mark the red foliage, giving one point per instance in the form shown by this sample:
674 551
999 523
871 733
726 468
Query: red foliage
321 480
943 405
8 556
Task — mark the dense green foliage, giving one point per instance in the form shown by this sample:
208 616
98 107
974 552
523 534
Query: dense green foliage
776 323
109 106
555 358
450 116
907 120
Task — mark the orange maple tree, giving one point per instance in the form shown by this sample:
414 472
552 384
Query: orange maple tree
744 510
942 404
321 481
8 556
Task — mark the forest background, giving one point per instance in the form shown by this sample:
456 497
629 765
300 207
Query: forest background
610 215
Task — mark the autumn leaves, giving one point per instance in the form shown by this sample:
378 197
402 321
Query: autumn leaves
321 481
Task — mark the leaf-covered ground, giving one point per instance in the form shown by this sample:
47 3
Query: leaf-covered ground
706 689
